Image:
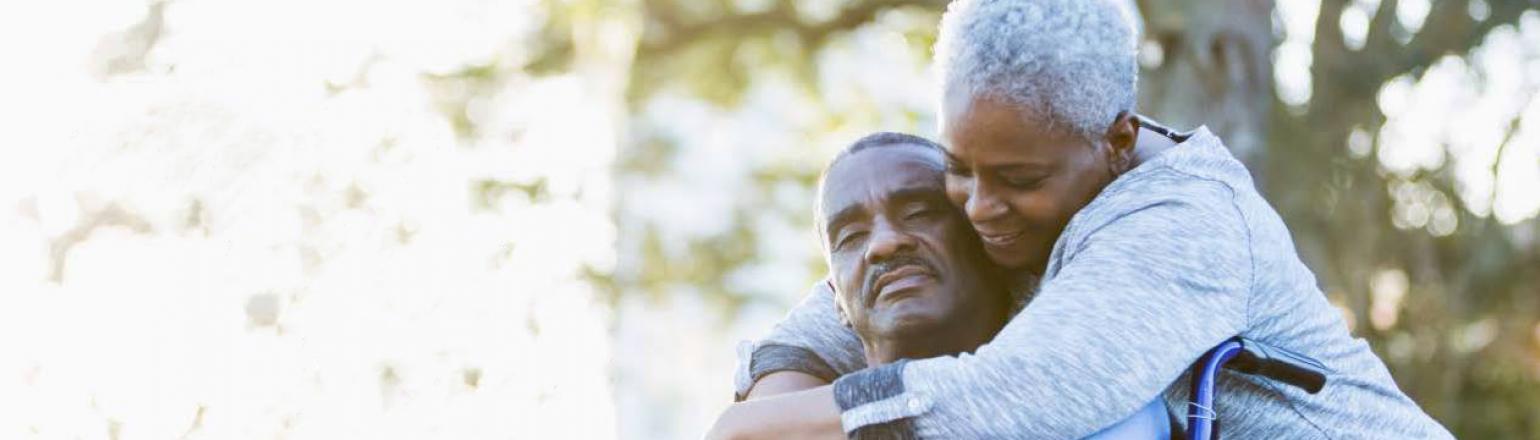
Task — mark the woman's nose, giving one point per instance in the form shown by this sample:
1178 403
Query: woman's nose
983 206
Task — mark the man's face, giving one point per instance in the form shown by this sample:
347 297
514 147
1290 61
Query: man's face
1018 181
903 259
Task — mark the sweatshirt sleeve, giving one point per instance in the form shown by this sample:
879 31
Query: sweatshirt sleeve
1130 303
810 340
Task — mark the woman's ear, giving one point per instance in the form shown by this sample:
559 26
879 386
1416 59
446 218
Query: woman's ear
1121 138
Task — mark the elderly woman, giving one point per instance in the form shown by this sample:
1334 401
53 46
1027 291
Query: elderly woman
1151 247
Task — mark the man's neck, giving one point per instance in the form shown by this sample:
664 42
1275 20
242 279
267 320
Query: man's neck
961 336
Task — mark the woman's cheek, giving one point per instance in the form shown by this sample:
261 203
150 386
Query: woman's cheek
1029 205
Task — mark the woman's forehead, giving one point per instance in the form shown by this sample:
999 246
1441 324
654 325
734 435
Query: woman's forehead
991 130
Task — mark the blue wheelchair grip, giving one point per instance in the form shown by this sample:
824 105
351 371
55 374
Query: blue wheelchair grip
1280 365
1250 357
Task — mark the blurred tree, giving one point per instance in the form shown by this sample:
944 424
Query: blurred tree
1339 205
1464 285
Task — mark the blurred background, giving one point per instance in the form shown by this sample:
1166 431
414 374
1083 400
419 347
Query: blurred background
555 219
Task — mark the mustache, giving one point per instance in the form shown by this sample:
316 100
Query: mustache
868 293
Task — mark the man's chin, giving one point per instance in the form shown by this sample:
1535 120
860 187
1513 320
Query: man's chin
908 323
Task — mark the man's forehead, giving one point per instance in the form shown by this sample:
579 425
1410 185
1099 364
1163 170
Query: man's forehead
881 170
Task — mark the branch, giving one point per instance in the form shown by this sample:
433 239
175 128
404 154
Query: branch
1329 56
1502 148
110 215
1380 38
1449 28
783 16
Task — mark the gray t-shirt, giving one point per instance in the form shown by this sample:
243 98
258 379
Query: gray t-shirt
1172 258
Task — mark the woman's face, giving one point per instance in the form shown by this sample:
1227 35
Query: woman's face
1018 181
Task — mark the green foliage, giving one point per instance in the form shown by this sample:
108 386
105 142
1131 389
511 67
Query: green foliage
456 91
552 46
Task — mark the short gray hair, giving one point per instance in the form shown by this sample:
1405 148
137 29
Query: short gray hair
1070 61
883 139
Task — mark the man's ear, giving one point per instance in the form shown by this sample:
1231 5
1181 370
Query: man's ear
1121 138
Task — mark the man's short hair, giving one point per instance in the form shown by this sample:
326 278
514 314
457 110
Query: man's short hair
883 139
1071 61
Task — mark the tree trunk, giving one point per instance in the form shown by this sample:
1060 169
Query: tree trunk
1213 69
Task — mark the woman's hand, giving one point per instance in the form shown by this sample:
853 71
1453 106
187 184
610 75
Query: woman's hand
808 414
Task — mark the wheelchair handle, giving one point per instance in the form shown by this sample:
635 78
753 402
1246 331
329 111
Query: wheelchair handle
1251 357
1278 364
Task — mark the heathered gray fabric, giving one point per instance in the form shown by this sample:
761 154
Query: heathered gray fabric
1170 259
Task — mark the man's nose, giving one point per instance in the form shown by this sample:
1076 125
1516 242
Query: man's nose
983 205
887 242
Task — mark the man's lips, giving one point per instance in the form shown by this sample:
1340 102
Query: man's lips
1001 239
901 279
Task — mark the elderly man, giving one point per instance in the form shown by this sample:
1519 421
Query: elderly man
1151 247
